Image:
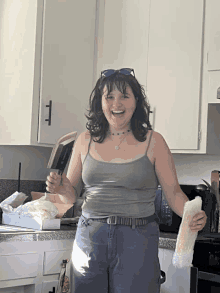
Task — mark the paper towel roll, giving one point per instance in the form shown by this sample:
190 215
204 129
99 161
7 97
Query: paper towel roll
186 238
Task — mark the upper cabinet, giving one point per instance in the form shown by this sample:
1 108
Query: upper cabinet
166 42
174 70
123 36
213 39
213 54
46 69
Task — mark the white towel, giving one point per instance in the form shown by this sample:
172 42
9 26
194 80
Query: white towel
186 238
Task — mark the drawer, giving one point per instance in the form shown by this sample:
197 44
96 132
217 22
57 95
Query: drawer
19 289
18 266
53 261
49 286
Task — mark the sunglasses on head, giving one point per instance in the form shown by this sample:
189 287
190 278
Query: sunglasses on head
125 71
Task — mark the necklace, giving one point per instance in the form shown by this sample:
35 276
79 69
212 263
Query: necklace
118 133
117 146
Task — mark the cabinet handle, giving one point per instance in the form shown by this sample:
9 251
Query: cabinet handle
218 93
53 290
50 110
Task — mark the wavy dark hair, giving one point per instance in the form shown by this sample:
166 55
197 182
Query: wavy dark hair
98 124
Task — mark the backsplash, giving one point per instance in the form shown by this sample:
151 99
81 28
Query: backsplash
191 169
9 186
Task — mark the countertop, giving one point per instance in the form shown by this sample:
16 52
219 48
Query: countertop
65 232
166 240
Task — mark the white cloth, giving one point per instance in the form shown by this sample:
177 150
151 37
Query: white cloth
186 238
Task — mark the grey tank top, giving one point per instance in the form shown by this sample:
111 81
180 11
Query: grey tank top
121 189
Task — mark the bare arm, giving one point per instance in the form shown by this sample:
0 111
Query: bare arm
166 173
74 172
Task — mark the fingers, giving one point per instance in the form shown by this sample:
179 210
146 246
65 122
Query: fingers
199 216
198 221
53 181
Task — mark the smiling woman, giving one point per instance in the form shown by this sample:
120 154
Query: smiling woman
118 108
121 162
118 92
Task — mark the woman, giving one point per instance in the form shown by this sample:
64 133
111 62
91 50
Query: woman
121 161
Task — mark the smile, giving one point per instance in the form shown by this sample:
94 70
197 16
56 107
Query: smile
117 112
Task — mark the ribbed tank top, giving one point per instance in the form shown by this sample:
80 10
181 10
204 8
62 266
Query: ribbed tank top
122 189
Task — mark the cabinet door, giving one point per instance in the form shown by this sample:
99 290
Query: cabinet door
213 19
67 66
53 261
174 70
177 280
19 266
49 286
124 33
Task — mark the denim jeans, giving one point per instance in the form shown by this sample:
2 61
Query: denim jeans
110 258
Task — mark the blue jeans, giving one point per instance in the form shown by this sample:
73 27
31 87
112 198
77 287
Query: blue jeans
110 258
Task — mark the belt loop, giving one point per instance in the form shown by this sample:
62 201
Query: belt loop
133 223
86 222
109 220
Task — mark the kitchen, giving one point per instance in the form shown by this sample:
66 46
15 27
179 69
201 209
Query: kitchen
112 34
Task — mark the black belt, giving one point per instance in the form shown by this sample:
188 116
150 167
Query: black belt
116 220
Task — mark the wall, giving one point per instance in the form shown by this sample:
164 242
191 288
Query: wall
33 162
191 169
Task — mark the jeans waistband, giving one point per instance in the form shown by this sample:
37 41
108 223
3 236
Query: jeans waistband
116 220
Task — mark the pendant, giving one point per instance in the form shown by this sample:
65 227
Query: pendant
117 147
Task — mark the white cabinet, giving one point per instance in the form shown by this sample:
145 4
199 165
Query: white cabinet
213 50
49 286
53 261
174 70
177 280
166 44
19 266
32 267
47 54
123 36
213 8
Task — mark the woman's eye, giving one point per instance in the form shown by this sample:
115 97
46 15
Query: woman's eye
111 97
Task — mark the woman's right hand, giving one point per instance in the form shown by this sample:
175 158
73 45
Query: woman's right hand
53 185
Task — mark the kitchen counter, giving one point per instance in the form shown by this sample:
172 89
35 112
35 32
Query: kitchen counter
166 240
65 232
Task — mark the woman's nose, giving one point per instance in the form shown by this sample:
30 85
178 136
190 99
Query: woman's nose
117 101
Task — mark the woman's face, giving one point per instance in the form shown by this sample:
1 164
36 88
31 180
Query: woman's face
115 102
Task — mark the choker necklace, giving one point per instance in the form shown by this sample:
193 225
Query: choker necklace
118 133
117 146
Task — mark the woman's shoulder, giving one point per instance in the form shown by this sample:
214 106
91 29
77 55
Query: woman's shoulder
157 136
159 141
84 137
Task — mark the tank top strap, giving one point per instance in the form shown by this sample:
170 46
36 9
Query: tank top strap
88 149
149 141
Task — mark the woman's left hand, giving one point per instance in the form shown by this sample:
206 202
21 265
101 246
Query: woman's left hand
198 221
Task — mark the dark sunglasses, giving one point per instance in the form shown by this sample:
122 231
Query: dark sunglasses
125 71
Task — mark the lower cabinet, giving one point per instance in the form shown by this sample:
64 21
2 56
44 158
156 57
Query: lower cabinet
49 286
32 267
177 280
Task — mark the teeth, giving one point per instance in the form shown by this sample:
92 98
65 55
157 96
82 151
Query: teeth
117 112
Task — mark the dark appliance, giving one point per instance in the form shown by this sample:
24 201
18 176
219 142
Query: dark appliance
169 221
205 272
206 264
